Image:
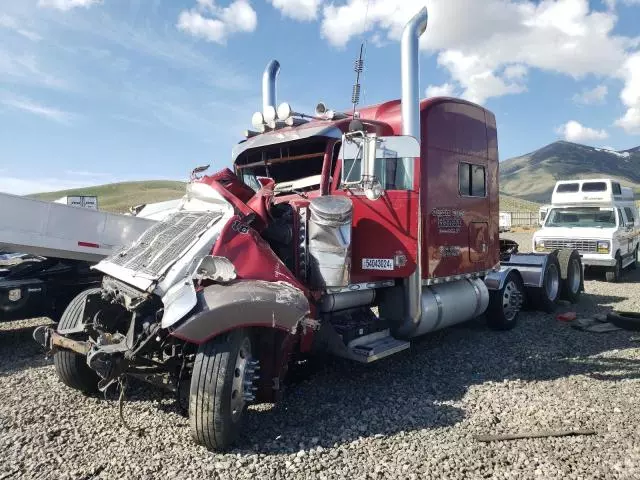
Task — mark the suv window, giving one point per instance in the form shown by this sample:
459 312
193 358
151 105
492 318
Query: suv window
567 187
629 214
594 187
616 188
621 218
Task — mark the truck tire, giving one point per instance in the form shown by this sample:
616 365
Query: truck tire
613 274
572 275
217 400
546 297
71 367
505 303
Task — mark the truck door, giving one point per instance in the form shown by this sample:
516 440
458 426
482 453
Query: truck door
384 194
478 241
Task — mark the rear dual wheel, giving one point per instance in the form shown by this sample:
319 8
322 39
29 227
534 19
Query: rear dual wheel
546 297
505 303
572 273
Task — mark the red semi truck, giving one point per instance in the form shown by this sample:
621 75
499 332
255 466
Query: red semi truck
339 233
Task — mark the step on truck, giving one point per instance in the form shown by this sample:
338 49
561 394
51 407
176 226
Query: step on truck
342 233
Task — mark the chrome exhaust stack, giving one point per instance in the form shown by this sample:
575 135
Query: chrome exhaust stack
269 86
410 109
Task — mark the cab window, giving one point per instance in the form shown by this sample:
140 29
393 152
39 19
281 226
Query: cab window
472 180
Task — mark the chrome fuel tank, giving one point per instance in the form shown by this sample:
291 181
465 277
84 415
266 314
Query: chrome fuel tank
447 304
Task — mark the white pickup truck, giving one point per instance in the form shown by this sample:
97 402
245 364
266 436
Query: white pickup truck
597 217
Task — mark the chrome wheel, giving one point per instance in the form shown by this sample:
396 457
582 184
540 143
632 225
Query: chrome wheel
511 300
575 275
244 374
552 282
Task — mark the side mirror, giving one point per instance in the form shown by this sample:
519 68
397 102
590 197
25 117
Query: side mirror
364 156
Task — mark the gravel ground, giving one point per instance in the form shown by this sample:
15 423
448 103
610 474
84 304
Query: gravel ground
412 416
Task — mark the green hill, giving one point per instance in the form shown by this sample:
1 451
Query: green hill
514 204
533 176
119 197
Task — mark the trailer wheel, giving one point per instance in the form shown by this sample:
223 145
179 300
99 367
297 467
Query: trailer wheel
614 273
505 303
546 297
71 367
572 275
221 387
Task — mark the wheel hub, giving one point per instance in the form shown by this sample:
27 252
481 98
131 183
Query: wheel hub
244 377
511 300
575 283
552 282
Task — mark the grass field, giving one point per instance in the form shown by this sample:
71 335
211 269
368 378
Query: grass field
119 197
514 204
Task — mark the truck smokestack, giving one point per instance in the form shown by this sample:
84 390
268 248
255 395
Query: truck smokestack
269 85
410 65
410 109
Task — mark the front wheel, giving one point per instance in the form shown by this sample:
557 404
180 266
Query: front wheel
221 388
614 274
71 367
505 303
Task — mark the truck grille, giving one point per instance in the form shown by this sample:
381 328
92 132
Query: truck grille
583 246
163 243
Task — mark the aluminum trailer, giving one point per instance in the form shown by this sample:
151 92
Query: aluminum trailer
62 242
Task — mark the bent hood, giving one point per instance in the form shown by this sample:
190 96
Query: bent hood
170 248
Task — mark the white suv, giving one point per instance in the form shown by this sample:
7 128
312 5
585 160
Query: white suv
603 228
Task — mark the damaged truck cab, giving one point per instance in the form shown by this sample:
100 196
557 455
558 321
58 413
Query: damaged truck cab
342 233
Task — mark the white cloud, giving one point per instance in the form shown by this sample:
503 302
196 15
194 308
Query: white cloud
29 106
515 72
304 10
630 96
444 90
65 5
12 24
591 96
239 16
489 46
573 131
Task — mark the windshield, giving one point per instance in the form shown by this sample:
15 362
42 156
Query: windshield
591 217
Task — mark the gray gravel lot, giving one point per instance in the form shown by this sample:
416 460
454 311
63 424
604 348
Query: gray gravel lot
411 416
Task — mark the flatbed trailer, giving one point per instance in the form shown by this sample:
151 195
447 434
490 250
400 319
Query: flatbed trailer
62 243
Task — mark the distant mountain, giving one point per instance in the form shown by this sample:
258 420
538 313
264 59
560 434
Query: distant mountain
119 197
532 176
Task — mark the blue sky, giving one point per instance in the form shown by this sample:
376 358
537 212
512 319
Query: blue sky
96 91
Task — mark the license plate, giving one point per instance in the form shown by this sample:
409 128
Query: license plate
377 263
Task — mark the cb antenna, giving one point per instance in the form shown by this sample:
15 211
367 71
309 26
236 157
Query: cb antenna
358 67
